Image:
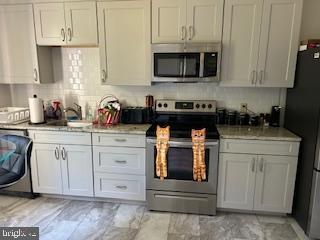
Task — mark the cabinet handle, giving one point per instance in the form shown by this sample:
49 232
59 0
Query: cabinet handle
253 77
120 140
63 34
183 33
56 153
121 161
63 153
261 79
35 75
191 32
261 164
253 164
103 76
122 187
69 34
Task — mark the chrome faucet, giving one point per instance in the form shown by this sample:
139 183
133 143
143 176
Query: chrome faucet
77 111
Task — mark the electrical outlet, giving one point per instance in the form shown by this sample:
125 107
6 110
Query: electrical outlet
243 107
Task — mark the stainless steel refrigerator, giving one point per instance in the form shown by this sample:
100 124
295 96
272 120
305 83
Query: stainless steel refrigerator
303 118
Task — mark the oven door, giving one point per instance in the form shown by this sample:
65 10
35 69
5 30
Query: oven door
180 167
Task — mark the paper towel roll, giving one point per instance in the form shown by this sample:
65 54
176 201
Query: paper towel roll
36 110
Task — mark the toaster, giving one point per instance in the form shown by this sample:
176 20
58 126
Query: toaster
135 115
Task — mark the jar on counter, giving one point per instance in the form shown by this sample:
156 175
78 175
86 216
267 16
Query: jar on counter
221 116
243 118
231 118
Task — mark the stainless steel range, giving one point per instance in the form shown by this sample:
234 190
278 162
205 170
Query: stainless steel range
178 192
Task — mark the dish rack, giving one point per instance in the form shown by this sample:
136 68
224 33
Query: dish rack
13 115
109 110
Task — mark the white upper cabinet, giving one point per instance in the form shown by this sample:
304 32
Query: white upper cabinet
50 24
204 20
241 33
168 21
177 21
279 42
125 44
81 23
260 42
21 61
59 24
275 183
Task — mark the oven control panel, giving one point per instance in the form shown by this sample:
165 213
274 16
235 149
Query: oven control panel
187 106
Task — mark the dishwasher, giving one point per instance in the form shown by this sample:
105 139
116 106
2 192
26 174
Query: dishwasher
24 186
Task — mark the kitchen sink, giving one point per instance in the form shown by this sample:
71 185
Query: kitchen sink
74 124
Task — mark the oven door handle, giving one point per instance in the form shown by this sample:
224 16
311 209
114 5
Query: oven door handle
183 143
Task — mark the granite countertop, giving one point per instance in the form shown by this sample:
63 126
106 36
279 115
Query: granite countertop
120 128
256 133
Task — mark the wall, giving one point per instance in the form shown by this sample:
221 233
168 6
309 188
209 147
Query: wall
310 27
5 97
78 80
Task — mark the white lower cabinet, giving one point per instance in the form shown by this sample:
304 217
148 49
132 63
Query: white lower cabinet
46 169
59 168
119 166
275 183
236 181
256 182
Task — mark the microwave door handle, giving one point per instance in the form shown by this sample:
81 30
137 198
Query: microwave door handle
201 69
181 68
184 66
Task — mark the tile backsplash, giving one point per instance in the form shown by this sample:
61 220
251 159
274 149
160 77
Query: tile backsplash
77 76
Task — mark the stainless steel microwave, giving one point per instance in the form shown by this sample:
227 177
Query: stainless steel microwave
186 62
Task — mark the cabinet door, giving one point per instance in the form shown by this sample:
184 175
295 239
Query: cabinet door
46 172
50 24
81 23
279 42
275 183
236 181
204 20
241 32
18 50
169 21
76 167
124 40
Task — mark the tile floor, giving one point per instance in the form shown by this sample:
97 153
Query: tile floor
60 219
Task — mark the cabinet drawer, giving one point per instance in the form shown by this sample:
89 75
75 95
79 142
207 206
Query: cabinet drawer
74 138
130 187
259 147
119 160
119 140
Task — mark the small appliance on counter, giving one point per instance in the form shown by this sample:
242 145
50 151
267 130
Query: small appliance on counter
275 116
135 115
36 110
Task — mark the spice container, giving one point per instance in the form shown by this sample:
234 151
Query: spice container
231 118
221 116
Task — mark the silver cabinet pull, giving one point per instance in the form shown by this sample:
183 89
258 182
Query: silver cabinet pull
56 153
120 140
63 153
253 164
191 32
103 76
183 32
35 75
261 164
253 77
261 78
121 161
63 34
122 187
69 34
